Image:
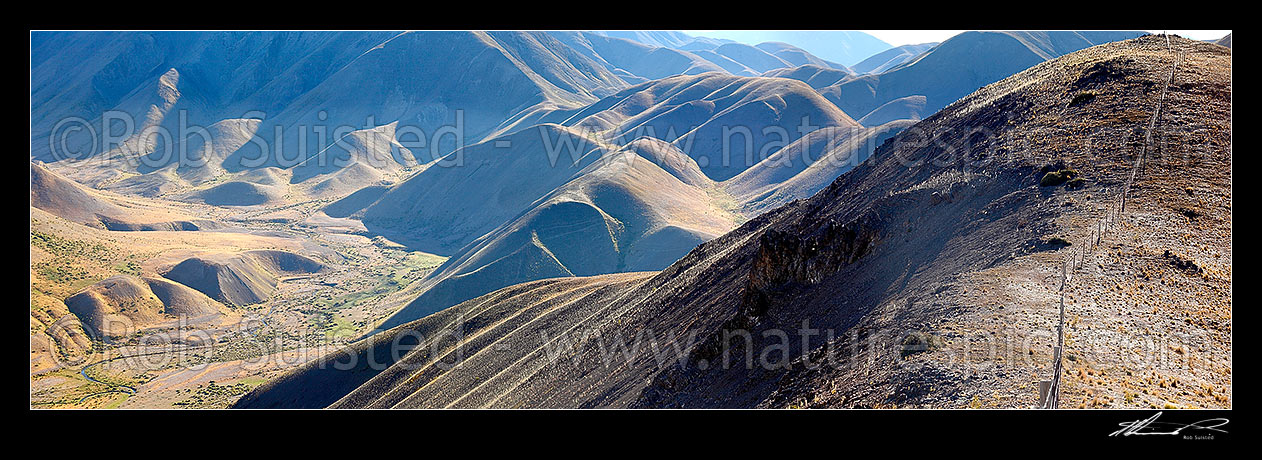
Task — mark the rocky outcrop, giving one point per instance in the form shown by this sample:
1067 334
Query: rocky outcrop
787 258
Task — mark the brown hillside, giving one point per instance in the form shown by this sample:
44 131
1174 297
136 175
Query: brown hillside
928 276
241 279
125 304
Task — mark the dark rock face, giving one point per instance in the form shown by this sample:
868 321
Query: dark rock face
787 262
1107 72
786 258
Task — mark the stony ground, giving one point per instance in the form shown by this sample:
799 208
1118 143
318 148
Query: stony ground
1148 302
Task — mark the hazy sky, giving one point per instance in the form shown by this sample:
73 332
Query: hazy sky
908 37
911 37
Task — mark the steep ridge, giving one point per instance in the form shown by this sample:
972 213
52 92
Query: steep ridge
84 74
902 267
241 279
363 158
752 57
624 213
510 173
124 304
728 64
699 114
903 108
845 47
805 167
412 83
477 188
959 66
815 76
797 56
277 99
704 44
639 61
71 201
519 312
626 184
891 58
658 38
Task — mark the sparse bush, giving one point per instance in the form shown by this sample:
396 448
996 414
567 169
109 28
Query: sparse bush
1182 263
1057 177
1082 98
917 342
128 268
976 403
1058 242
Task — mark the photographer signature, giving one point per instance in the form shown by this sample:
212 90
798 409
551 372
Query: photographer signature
1150 425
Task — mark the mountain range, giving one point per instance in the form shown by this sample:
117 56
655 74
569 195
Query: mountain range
618 98
846 47
895 279
953 69
604 138
644 182
595 187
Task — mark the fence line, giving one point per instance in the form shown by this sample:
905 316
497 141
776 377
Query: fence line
1077 257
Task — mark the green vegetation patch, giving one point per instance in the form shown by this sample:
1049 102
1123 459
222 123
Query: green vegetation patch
61 271
214 395
65 247
129 267
76 264
411 267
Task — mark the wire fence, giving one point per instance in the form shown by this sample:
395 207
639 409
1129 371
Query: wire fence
1049 390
